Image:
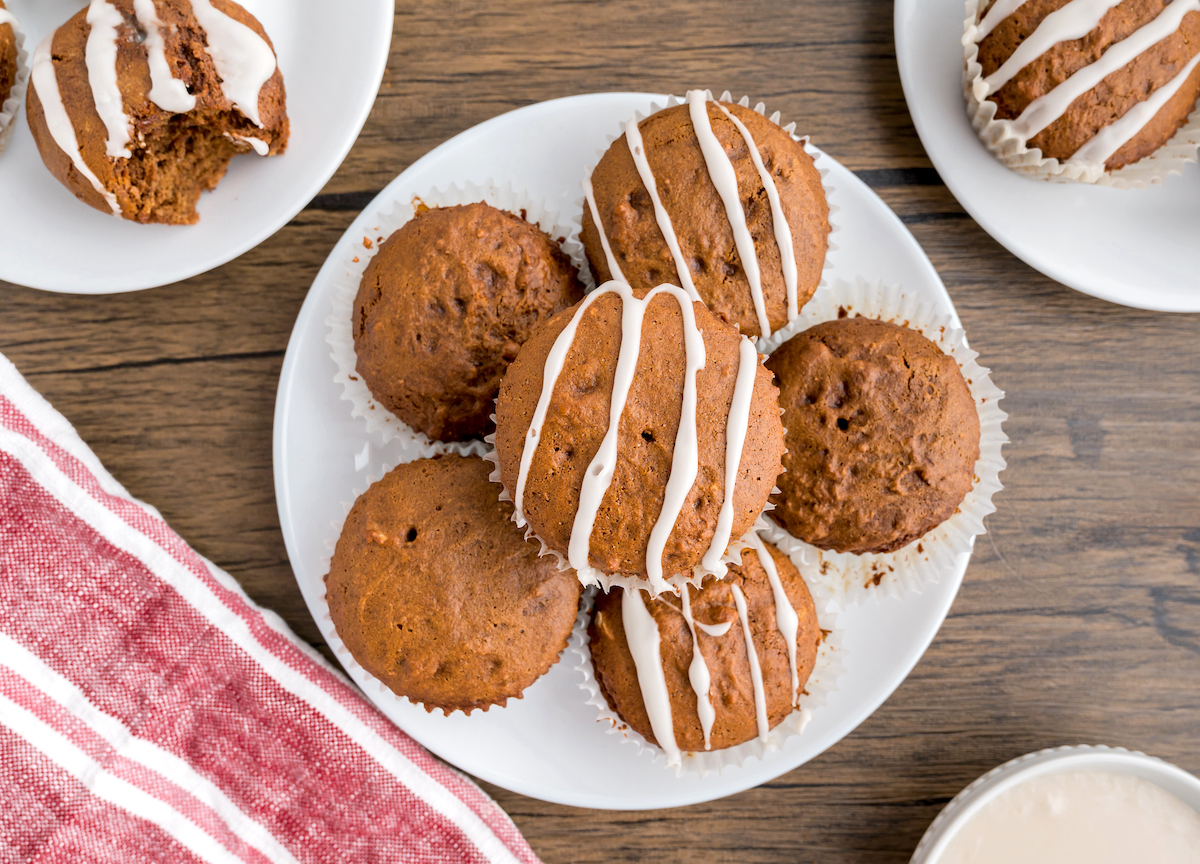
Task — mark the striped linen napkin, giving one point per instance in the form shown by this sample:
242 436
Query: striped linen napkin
149 712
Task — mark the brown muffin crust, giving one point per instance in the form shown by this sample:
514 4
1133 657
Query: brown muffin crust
1115 95
882 435
182 155
732 689
578 419
444 307
698 214
436 593
8 59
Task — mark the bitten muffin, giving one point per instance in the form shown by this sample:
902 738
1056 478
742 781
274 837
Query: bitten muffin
882 435
1138 56
437 594
8 54
721 638
653 443
444 307
180 88
698 217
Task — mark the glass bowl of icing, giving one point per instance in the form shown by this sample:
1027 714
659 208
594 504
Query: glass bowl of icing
1088 804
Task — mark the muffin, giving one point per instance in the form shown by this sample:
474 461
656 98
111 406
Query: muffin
695 207
690 461
1094 88
436 594
8 53
444 307
180 88
645 649
882 435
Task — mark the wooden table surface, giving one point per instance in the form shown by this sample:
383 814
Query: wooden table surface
1079 620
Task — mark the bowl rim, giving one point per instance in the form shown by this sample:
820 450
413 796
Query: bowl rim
1054 760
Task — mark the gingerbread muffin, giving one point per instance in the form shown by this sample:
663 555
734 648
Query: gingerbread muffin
638 434
1097 86
436 594
177 89
716 198
882 435
444 307
644 652
8 54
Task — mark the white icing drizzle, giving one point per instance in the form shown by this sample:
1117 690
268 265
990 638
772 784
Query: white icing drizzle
698 674
614 269
760 696
58 122
1073 21
100 55
243 59
641 632
717 630
735 439
261 147
1113 137
7 17
786 619
166 91
724 178
633 137
783 232
1000 10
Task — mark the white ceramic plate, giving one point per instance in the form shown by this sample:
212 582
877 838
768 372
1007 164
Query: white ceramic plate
548 744
1133 247
332 56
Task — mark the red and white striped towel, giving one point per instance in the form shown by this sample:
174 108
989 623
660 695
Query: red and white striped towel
150 712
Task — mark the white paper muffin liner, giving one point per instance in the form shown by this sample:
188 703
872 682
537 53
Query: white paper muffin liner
388 218
1010 148
821 682
373 687
12 105
938 552
831 195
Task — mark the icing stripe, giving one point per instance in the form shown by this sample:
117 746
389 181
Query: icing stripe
735 439
783 232
58 122
641 633
1000 10
724 178
614 269
786 619
698 674
1113 137
7 17
633 137
717 630
1073 21
100 55
166 91
243 59
261 147
760 696
1044 110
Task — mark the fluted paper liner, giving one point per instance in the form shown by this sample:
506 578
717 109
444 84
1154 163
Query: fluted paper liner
940 551
387 218
1010 148
790 128
821 682
12 105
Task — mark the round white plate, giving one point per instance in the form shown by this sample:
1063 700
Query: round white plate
549 744
332 56
1133 247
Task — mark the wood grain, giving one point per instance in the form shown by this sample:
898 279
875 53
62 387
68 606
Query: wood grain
1079 620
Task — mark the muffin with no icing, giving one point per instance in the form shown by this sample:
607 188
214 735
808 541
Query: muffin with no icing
720 635
882 435
619 215
436 593
648 505
180 88
444 307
